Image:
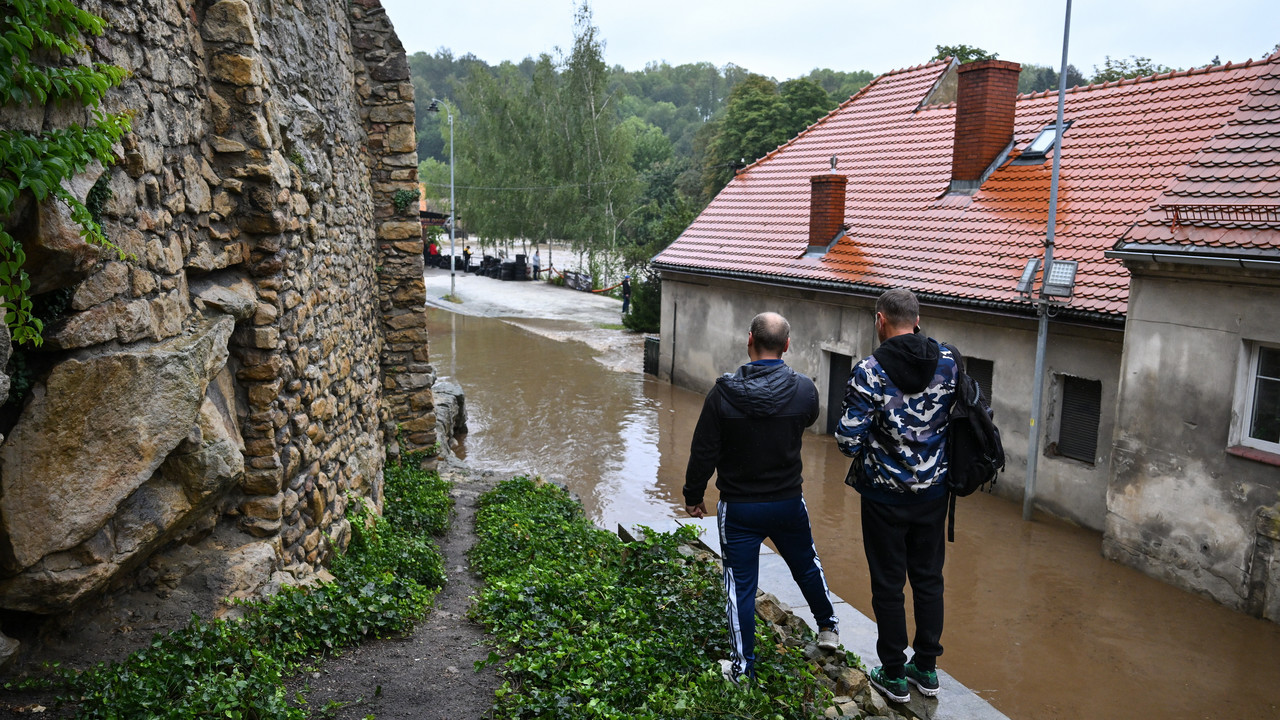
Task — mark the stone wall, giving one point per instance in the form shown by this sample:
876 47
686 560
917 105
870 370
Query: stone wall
248 362
386 96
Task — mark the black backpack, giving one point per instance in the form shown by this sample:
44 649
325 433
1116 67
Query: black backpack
975 454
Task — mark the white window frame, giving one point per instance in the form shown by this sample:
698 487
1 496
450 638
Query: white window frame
1246 388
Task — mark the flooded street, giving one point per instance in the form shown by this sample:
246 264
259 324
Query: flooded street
1038 623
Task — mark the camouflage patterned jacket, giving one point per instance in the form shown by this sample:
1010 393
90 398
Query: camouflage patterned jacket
894 422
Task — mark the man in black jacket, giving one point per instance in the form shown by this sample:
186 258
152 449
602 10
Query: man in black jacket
749 434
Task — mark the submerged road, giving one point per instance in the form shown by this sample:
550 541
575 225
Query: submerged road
1038 623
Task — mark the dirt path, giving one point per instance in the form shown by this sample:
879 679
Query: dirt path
428 675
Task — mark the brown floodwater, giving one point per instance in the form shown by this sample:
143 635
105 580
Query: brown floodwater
1038 622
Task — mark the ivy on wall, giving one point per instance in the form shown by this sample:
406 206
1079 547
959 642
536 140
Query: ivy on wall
40 41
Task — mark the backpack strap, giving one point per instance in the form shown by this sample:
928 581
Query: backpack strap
956 355
951 497
951 516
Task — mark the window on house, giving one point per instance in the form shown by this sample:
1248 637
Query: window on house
1081 411
1040 148
1261 407
982 372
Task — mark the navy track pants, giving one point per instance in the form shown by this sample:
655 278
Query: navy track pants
743 526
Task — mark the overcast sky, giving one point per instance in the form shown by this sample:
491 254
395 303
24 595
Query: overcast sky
788 39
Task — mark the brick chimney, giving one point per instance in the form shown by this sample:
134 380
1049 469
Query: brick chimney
826 209
984 119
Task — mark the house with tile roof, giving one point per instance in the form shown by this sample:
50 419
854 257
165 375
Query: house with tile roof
1162 384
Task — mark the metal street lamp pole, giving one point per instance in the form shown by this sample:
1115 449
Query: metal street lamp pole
453 209
453 214
1042 307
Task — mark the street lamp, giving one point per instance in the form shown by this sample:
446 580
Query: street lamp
453 214
1056 283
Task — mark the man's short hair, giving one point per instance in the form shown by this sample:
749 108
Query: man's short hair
770 331
899 307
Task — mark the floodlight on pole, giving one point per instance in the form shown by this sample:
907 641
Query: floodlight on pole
1060 281
453 215
1026 284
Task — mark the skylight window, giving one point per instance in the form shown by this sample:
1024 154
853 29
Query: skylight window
1043 144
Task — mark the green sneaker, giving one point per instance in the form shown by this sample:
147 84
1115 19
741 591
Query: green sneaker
896 689
926 681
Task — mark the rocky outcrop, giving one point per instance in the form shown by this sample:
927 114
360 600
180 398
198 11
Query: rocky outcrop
451 418
247 362
8 651
57 256
78 505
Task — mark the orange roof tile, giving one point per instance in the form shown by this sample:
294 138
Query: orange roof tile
1227 200
1208 135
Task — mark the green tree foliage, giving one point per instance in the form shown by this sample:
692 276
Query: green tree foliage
34 35
1035 78
840 85
438 76
501 157
544 154
595 151
665 118
649 145
646 304
1120 69
963 53
435 175
678 99
760 116
663 212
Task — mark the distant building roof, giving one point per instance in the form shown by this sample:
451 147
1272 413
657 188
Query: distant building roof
1226 206
1132 145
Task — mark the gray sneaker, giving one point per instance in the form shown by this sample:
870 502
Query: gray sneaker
828 640
728 672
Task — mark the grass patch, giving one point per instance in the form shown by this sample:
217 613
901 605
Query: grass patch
385 581
611 326
452 298
591 627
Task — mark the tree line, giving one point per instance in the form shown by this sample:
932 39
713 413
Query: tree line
616 163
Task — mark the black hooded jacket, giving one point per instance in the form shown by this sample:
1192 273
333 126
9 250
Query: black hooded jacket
909 360
749 434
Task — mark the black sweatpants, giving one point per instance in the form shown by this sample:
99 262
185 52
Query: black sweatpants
906 542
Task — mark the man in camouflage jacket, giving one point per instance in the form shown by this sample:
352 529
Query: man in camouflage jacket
894 426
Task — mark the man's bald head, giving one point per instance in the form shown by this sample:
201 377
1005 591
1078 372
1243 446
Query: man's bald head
770 332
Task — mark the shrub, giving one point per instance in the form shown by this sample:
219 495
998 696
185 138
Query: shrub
646 305
402 199
590 626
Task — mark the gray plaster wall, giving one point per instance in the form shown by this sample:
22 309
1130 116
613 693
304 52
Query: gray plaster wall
704 333
1180 506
